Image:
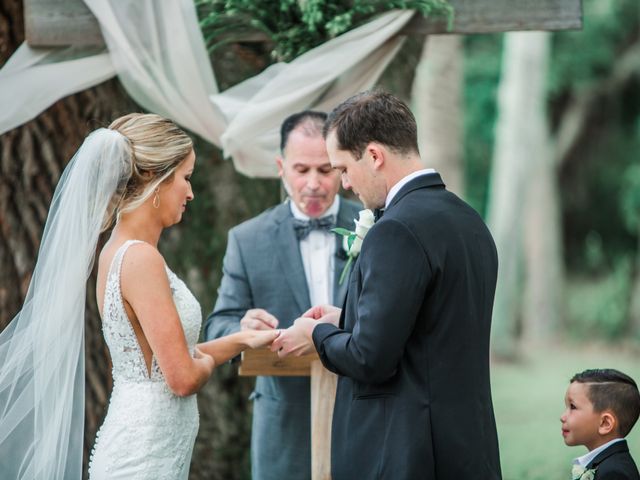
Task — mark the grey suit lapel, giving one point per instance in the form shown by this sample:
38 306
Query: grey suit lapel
288 253
344 220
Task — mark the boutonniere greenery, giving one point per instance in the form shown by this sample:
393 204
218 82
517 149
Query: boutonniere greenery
352 240
578 472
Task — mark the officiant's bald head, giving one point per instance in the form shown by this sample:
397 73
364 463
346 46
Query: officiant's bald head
303 164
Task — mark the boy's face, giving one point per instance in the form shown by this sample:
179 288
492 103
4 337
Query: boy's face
580 424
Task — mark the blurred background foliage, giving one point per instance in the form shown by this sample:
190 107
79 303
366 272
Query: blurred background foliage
599 179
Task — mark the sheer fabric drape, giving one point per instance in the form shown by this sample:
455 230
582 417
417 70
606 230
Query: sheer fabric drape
157 51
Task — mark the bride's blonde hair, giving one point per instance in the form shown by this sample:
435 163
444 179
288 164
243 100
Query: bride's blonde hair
158 147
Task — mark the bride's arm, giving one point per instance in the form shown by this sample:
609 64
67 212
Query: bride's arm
145 287
225 348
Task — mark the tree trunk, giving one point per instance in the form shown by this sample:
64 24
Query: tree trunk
520 133
544 306
437 97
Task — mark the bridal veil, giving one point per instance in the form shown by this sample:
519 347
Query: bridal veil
42 350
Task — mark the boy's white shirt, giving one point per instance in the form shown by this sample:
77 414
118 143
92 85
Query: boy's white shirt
588 457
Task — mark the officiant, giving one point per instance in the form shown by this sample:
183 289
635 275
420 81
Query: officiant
276 266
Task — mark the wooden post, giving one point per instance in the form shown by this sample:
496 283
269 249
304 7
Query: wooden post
323 392
323 395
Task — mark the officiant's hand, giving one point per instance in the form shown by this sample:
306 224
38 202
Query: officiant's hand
258 319
295 340
324 314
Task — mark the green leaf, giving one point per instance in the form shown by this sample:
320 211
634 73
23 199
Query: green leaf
341 231
345 270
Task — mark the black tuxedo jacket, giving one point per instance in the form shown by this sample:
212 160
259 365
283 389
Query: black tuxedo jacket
413 398
615 463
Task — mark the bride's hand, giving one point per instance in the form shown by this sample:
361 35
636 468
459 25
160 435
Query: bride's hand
205 360
260 338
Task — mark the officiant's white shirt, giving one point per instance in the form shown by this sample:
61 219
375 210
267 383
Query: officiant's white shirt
396 188
317 251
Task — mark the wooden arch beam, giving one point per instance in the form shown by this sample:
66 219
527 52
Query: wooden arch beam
69 22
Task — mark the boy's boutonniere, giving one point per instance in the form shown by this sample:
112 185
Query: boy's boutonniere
578 472
352 241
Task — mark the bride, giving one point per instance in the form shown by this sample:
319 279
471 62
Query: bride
137 171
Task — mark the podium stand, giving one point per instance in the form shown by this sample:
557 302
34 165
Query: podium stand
323 393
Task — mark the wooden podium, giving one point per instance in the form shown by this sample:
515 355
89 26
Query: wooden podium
323 393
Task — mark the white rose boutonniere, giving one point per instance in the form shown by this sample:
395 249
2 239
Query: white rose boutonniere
578 472
352 242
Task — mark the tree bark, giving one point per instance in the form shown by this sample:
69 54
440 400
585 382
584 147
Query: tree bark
437 97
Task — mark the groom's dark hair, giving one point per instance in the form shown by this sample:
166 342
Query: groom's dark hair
312 120
609 389
373 116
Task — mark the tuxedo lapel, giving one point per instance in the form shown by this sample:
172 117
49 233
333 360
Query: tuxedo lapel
340 258
288 253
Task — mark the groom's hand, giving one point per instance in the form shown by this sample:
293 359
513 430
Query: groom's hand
295 340
324 314
258 319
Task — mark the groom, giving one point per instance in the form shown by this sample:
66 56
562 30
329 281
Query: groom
411 345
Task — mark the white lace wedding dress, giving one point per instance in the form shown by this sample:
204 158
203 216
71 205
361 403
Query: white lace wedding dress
148 432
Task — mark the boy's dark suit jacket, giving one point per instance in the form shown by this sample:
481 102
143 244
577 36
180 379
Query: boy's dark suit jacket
615 463
413 398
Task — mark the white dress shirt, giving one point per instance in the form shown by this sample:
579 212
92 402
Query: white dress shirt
587 458
396 188
317 251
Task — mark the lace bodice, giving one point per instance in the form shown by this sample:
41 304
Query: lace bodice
149 432
126 355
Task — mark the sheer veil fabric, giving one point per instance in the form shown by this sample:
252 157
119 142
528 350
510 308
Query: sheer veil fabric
42 350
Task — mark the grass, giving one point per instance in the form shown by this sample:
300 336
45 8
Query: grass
529 399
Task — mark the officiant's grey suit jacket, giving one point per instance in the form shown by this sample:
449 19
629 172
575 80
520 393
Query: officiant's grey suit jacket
413 398
263 268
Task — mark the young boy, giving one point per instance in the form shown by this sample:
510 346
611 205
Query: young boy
601 408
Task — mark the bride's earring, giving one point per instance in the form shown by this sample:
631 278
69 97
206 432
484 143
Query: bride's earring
156 198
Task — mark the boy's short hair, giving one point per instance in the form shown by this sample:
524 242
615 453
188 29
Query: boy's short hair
609 389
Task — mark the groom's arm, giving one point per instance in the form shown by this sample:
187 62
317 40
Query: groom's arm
395 276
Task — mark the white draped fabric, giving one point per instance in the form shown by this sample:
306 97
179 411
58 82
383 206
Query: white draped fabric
157 51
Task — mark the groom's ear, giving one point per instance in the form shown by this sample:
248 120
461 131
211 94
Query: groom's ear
377 154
